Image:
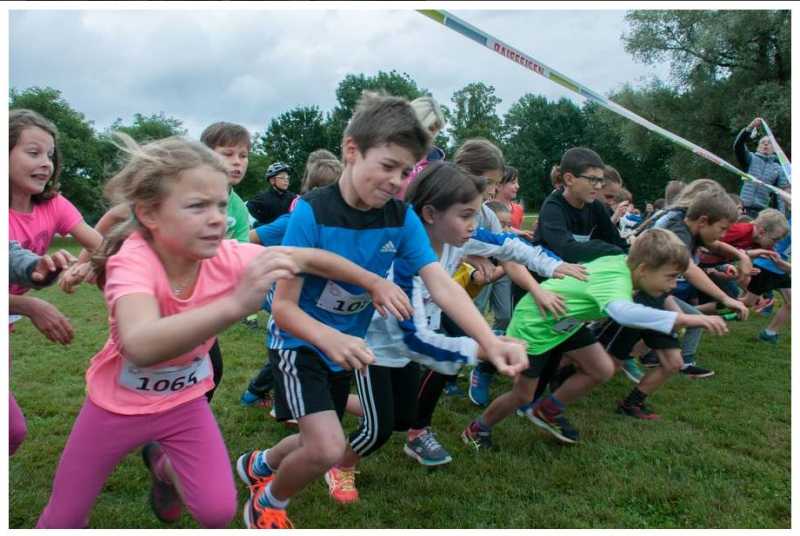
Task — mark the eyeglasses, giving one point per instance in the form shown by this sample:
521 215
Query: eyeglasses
596 181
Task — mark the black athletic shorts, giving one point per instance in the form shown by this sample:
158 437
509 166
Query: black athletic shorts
549 360
305 385
619 340
764 281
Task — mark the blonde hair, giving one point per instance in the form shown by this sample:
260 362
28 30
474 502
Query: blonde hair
478 155
673 189
610 174
772 221
147 179
655 248
715 205
428 112
688 194
321 173
314 157
623 195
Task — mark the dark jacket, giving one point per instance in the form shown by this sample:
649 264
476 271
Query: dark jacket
269 204
577 235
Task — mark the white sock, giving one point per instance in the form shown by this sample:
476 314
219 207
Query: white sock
264 459
770 332
275 503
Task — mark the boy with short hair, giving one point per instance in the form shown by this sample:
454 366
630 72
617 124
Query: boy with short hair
318 326
705 221
607 293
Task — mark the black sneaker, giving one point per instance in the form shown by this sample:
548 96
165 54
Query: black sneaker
695 372
477 438
639 411
558 425
650 360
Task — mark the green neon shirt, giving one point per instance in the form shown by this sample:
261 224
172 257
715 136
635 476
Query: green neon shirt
238 222
609 280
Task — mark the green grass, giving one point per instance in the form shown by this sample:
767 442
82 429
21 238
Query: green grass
719 458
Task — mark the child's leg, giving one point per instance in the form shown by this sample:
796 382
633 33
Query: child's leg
430 391
17 429
501 303
594 366
377 400
671 363
520 394
691 340
262 384
783 314
198 464
98 441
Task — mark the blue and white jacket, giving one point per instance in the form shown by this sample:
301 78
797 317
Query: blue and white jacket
396 343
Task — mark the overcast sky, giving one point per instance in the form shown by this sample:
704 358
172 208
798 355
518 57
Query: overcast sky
249 66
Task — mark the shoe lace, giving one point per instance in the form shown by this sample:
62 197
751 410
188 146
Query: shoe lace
345 479
272 518
429 441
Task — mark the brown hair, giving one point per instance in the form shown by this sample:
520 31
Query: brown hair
224 134
381 120
655 248
715 205
610 174
442 185
690 192
321 173
497 207
672 190
314 157
555 176
510 174
147 179
19 120
478 155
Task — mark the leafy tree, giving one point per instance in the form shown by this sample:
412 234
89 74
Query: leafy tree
82 164
474 114
349 91
289 138
727 67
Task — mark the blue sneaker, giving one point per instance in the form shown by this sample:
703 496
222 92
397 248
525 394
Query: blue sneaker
452 389
254 401
479 387
766 337
632 370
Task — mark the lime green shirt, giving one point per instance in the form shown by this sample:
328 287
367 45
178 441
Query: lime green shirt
609 280
238 220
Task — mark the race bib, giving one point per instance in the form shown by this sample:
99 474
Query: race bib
335 299
164 380
566 325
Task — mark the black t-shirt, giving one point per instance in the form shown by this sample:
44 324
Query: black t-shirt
577 234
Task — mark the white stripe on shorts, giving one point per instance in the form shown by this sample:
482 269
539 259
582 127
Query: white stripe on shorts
369 432
291 383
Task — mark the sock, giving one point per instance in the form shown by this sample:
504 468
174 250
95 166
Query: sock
551 405
261 465
482 426
769 332
158 468
414 433
268 500
635 398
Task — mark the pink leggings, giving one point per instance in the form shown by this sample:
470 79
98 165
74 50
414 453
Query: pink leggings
17 430
188 435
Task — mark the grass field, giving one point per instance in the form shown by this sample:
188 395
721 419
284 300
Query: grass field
719 458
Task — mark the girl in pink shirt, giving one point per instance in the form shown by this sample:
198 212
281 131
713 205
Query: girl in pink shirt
36 213
172 283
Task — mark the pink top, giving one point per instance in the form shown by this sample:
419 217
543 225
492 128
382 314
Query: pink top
35 230
115 384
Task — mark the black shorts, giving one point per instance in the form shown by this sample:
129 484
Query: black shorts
549 360
305 385
620 340
764 281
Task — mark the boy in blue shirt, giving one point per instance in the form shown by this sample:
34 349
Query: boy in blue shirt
318 326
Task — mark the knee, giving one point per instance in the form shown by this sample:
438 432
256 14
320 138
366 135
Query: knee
217 514
327 454
523 391
671 360
602 370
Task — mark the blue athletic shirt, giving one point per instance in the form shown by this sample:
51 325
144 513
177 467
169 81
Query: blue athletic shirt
272 234
784 249
372 239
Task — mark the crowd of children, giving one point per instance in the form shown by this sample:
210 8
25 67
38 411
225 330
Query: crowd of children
377 274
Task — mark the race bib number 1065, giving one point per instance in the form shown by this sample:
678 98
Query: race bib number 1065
165 380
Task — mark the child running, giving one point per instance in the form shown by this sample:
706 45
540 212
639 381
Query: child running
650 267
171 284
318 324
37 211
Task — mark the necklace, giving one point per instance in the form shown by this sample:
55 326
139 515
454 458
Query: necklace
180 286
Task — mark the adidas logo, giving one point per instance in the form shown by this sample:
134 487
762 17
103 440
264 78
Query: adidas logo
388 247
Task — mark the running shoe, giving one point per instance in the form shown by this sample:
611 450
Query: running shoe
427 450
342 484
164 498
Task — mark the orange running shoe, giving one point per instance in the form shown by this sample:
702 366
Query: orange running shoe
342 484
246 471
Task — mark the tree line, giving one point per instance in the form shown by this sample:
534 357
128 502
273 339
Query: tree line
726 68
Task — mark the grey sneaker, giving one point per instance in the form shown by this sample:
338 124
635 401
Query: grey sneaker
427 450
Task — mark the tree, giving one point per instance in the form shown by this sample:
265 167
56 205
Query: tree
474 114
349 91
727 67
538 132
289 138
82 164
